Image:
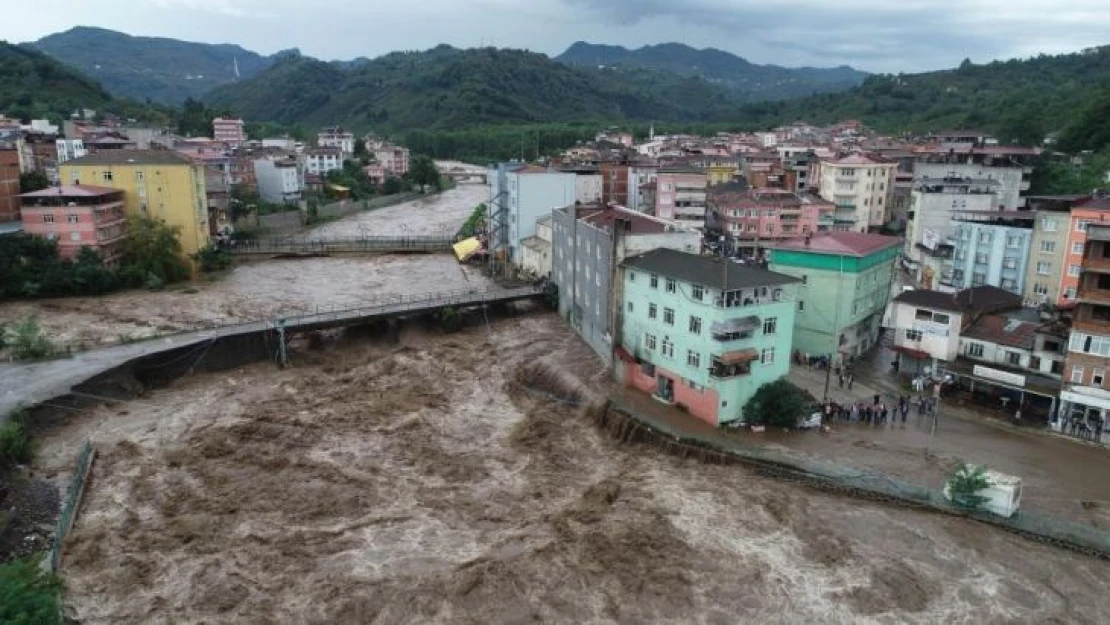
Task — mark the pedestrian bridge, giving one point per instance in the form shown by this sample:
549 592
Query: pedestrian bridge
479 177
342 245
220 347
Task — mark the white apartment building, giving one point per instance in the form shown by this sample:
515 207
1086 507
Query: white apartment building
69 149
278 181
321 160
336 137
861 188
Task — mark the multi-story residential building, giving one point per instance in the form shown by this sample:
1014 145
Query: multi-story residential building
1086 394
614 183
288 144
680 196
640 173
336 137
753 218
926 324
320 161
279 181
588 244
375 173
994 253
846 285
861 188
157 183
9 184
518 196
229 130
1011 167
1095 210
1047 248
536 250
78 216
587 182
930 221
393 158
69 149
702 332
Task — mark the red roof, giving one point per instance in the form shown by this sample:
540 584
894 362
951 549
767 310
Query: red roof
71 190
842 243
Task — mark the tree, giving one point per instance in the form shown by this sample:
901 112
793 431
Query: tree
28 595
964 485
360 148
393 186
152 248
211 258
195 119
777 403
33 181
424 172
30 343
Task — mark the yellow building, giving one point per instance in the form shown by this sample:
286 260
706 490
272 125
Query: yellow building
719 174
157 183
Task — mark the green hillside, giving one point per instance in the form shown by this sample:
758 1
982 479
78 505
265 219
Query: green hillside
747 81
446 88
163 70
32 85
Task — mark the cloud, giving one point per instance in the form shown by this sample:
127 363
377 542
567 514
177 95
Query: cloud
219 7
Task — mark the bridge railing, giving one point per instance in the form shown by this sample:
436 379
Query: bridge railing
340 244
404 303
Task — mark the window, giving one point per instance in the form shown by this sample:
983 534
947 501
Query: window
1048 225
770 325
1077 249
1074 270
1043 268
1081 225
1077 375
140 176
975 350
940 318
923 314
1013 358
629 306
654 281
695 325
1040 289
670 285
653 311
1070 293
71 218
768 356
668 316
631 274
697 292
801 306
47 219
106 176
984 237
1009 285
1013 241
805 279
1048 247
914 336
1089 344
74 236
693 359
668 348
1097 376
1010 263
649 341
980 259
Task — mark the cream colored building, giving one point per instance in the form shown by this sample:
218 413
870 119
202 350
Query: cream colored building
861 188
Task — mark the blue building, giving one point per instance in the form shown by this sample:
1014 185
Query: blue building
994 253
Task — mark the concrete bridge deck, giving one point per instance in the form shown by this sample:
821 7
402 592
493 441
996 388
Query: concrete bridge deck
27 384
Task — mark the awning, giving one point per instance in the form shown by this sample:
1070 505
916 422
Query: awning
738 357
466 248
911 352
730 326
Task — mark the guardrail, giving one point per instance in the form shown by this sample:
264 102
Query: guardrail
72 503
309 245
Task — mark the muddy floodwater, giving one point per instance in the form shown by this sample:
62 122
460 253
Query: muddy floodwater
454 479
439 215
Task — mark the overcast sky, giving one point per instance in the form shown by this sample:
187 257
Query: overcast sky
875 35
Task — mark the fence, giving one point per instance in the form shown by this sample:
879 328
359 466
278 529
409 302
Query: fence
627 425
72 502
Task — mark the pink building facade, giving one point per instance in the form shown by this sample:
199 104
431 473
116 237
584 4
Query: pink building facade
752 218
376 173
229 130
394 159
78 216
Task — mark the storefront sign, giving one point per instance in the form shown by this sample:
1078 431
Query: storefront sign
932 329
999 376
930 239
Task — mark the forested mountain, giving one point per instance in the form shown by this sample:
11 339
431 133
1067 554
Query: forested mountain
163 70
33 85
748 81
446 88
1020 100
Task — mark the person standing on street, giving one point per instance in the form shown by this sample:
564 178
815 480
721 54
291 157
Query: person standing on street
851 378
905 411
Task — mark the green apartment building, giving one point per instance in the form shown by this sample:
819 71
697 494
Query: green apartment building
701 332
846 285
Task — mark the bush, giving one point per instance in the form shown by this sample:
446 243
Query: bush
15 445
448 319
3 335
475 224
29 343
154 282
211 258
28 596
777 403
964 485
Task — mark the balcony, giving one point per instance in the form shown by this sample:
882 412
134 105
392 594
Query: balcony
1096 265
733 364
738 329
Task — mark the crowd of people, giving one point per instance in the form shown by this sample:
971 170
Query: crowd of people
877 411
